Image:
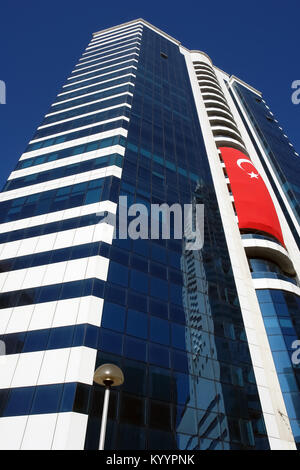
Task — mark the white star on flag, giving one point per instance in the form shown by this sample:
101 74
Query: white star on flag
253 175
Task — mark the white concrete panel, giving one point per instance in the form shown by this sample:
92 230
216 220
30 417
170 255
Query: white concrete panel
70 431
76 269
97 267
81 365
103 232
20 319
7 370
54 366
39 432
84 235
5 315
90 310
66 312
44 243
42 316
12 280
11 431
260 377
27 369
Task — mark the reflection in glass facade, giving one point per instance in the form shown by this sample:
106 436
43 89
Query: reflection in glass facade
127 123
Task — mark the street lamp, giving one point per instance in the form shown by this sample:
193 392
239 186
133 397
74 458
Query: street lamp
108 375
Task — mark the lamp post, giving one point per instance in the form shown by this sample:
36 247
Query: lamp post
108 375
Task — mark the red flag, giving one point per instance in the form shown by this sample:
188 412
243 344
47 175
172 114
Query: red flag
254 206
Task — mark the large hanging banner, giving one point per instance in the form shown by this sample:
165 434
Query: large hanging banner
254 206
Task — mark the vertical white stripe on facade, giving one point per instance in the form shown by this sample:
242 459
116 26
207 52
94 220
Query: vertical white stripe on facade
264 369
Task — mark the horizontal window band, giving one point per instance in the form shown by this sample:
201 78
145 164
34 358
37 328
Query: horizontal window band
117 29
101 78
115 36
113 53
90 74
51 338
110 47
99 85
106 65
76 113
60 199
64 171
92 96
108 44
78 134
55 256
118 110
53 292
71 151
114 42
109 51
103 171
54 398
106 59
115 71
52 227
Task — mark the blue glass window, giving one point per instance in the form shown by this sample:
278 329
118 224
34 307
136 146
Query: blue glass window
113 316
47 399
159 331
137 324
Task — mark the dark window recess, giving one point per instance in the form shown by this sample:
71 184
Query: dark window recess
163 55
269 118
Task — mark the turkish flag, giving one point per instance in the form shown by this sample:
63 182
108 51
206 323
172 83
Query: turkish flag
254 206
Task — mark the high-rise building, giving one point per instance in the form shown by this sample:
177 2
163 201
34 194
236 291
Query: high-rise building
207 337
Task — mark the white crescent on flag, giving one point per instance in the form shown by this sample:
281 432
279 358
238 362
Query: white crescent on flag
239 164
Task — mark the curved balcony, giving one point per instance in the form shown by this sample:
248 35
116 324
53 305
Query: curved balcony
269 275
206 73
224 141
211 103
222 131
211 89
210 83
221 121
258 247
204 67
214 95
211 112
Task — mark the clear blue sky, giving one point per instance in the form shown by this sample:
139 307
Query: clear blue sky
41 42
